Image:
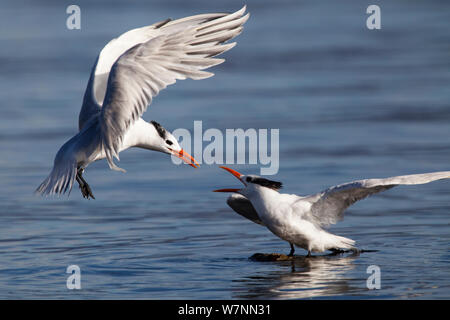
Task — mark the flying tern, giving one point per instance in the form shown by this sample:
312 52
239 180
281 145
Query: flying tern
301 220
128 73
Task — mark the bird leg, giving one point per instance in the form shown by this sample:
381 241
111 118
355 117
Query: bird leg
291 253
84 187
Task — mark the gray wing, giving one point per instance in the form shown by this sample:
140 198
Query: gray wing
244 207
90 105
98 81
328 206
147 68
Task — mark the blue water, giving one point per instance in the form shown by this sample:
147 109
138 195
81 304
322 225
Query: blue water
350 103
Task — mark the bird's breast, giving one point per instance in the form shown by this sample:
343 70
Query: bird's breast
282 216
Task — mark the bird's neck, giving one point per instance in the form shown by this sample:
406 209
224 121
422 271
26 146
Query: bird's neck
268 201
141 134
262 195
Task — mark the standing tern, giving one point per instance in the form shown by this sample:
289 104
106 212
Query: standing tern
129 72
300 220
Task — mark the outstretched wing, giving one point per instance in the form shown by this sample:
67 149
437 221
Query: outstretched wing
144 61
244 207
96 88
328 206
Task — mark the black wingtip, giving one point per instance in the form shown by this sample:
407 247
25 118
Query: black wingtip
162 23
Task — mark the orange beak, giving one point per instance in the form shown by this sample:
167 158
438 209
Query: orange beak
186 157
234 173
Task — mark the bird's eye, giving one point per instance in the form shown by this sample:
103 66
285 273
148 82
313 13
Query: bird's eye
248 179
169 142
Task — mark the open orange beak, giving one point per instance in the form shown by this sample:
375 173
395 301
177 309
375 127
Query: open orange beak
186 157
234 173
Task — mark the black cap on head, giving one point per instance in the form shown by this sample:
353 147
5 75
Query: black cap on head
275 185
159 128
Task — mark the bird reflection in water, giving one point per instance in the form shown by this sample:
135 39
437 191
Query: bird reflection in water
308 277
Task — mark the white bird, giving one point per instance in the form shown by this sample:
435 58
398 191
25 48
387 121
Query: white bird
300 220
129 72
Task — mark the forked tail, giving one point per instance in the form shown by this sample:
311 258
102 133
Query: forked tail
60 180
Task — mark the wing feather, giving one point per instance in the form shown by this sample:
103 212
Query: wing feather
207 24
328 206
147 68
244 207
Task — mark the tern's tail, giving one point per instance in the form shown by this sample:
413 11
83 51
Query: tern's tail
338 242
60 180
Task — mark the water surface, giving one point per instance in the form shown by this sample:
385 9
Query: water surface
350 103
